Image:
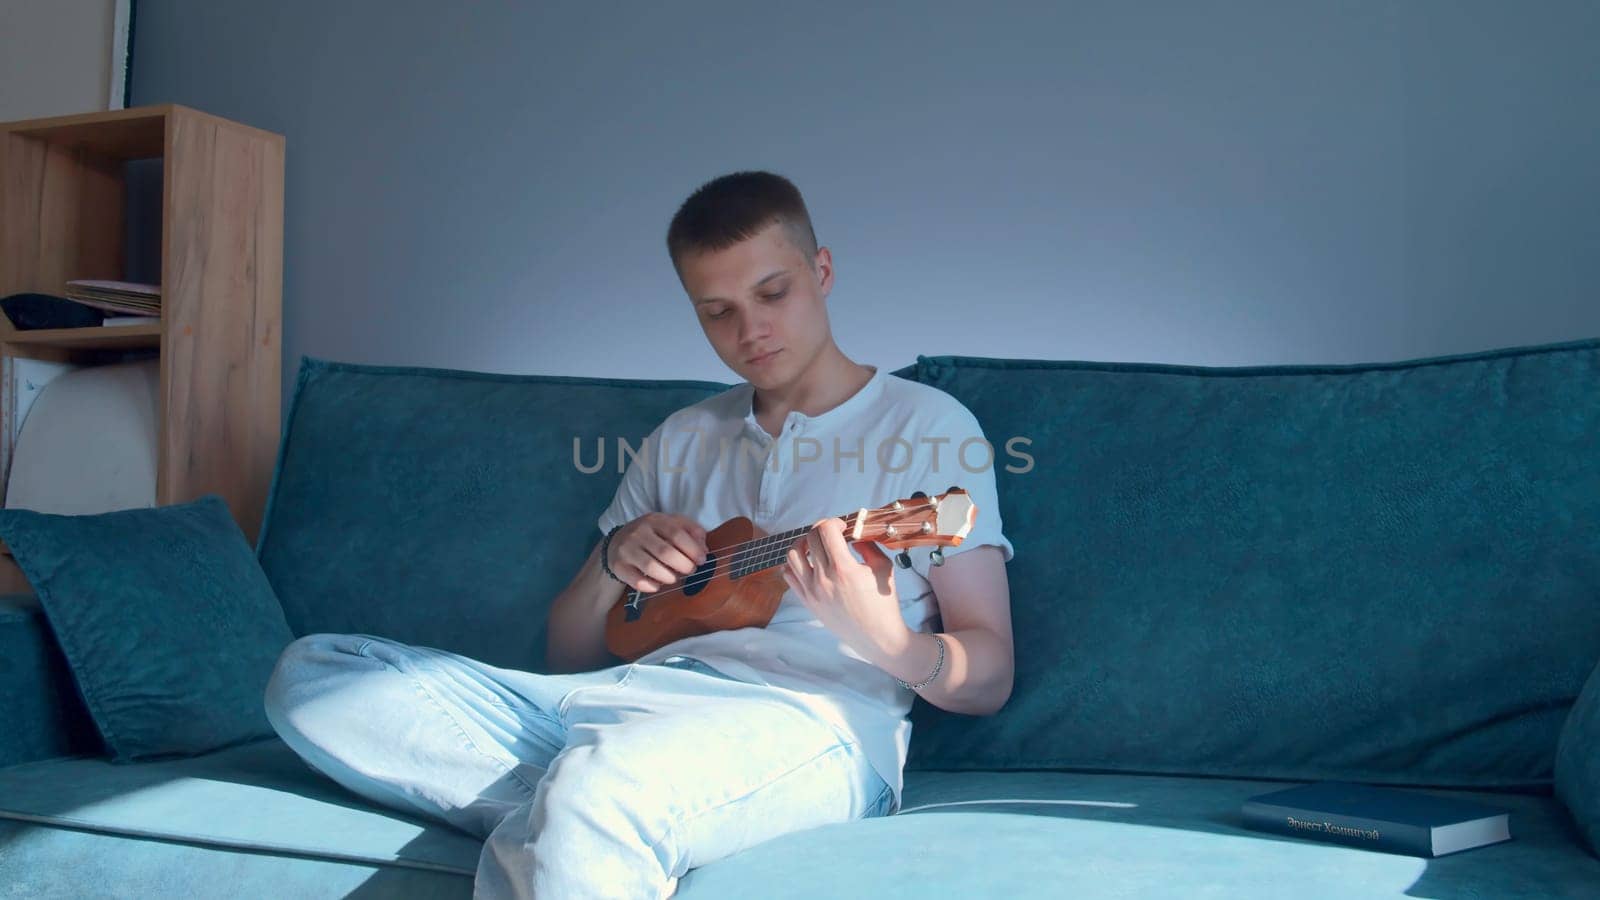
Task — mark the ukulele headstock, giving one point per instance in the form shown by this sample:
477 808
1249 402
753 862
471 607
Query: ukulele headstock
917 521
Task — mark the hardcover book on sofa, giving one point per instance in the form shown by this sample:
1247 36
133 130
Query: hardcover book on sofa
1378 818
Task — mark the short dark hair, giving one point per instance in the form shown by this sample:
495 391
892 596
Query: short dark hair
736 207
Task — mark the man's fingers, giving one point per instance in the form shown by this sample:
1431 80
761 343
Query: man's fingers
873 555
811 549
657 572
692 547
669 556
693 529
799 589
825 544
830 536
799 565
646 566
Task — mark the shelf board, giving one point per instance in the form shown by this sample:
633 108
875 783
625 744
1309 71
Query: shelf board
94 336
137 133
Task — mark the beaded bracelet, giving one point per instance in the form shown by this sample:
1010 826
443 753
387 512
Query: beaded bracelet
936 667
605 564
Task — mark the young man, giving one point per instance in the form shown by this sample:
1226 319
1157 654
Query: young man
613 780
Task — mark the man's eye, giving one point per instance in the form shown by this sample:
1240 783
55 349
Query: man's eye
717 315
778 296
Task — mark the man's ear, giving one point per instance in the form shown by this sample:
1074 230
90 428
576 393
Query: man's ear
822 265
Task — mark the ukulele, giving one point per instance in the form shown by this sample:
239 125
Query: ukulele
739 585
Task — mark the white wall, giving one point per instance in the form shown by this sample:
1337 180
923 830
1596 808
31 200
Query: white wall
56 57
488 185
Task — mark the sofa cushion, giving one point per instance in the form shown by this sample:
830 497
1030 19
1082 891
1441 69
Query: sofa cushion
46 862
960 834
165 617
1385 572
1052 834
258 796
43 713
444 507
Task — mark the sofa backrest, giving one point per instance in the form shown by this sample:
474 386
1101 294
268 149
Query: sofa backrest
443 507
1373 572
1384 572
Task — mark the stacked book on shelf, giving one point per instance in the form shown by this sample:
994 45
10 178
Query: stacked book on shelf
87 304
119 298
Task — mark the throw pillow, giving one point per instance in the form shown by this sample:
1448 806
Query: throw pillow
165 617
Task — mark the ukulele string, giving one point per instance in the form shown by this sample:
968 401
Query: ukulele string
848 517
762 559
769 558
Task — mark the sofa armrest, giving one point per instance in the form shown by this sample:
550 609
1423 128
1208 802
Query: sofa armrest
43 714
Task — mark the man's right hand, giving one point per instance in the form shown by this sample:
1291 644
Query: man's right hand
656 549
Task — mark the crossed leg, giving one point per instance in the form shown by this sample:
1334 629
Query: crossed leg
611 783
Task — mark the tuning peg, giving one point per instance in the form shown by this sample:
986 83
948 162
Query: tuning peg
937 556
903 559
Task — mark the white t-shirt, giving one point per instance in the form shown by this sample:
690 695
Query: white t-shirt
711 461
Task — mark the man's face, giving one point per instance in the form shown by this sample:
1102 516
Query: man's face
762 306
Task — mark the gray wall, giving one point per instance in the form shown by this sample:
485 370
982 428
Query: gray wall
488 185
57 57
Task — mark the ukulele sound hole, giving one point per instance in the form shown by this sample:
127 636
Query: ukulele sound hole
697 582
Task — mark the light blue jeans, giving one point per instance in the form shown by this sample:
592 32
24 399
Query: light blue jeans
611 783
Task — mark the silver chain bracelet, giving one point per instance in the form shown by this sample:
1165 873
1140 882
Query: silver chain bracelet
936 668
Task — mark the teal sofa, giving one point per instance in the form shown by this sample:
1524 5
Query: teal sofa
1227 581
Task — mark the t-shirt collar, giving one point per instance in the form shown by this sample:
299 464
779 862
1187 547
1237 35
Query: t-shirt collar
856 402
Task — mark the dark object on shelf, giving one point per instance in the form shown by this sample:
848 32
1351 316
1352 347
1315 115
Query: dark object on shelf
28 311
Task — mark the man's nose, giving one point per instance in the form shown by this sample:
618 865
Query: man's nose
754 327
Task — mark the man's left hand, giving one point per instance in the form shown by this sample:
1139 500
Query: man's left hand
855 600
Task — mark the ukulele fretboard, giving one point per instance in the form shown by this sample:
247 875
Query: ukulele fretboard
764 553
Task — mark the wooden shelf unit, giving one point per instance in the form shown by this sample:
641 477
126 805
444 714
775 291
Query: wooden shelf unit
63 217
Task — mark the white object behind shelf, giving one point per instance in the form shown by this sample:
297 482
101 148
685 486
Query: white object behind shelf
88 443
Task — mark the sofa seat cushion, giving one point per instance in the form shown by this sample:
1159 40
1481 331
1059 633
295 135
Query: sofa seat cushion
1022 834
257 796
45 862
1051 834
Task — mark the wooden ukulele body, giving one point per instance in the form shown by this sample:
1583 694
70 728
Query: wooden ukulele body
710 599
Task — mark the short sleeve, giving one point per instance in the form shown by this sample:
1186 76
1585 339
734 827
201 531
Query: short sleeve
967 460
639 491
